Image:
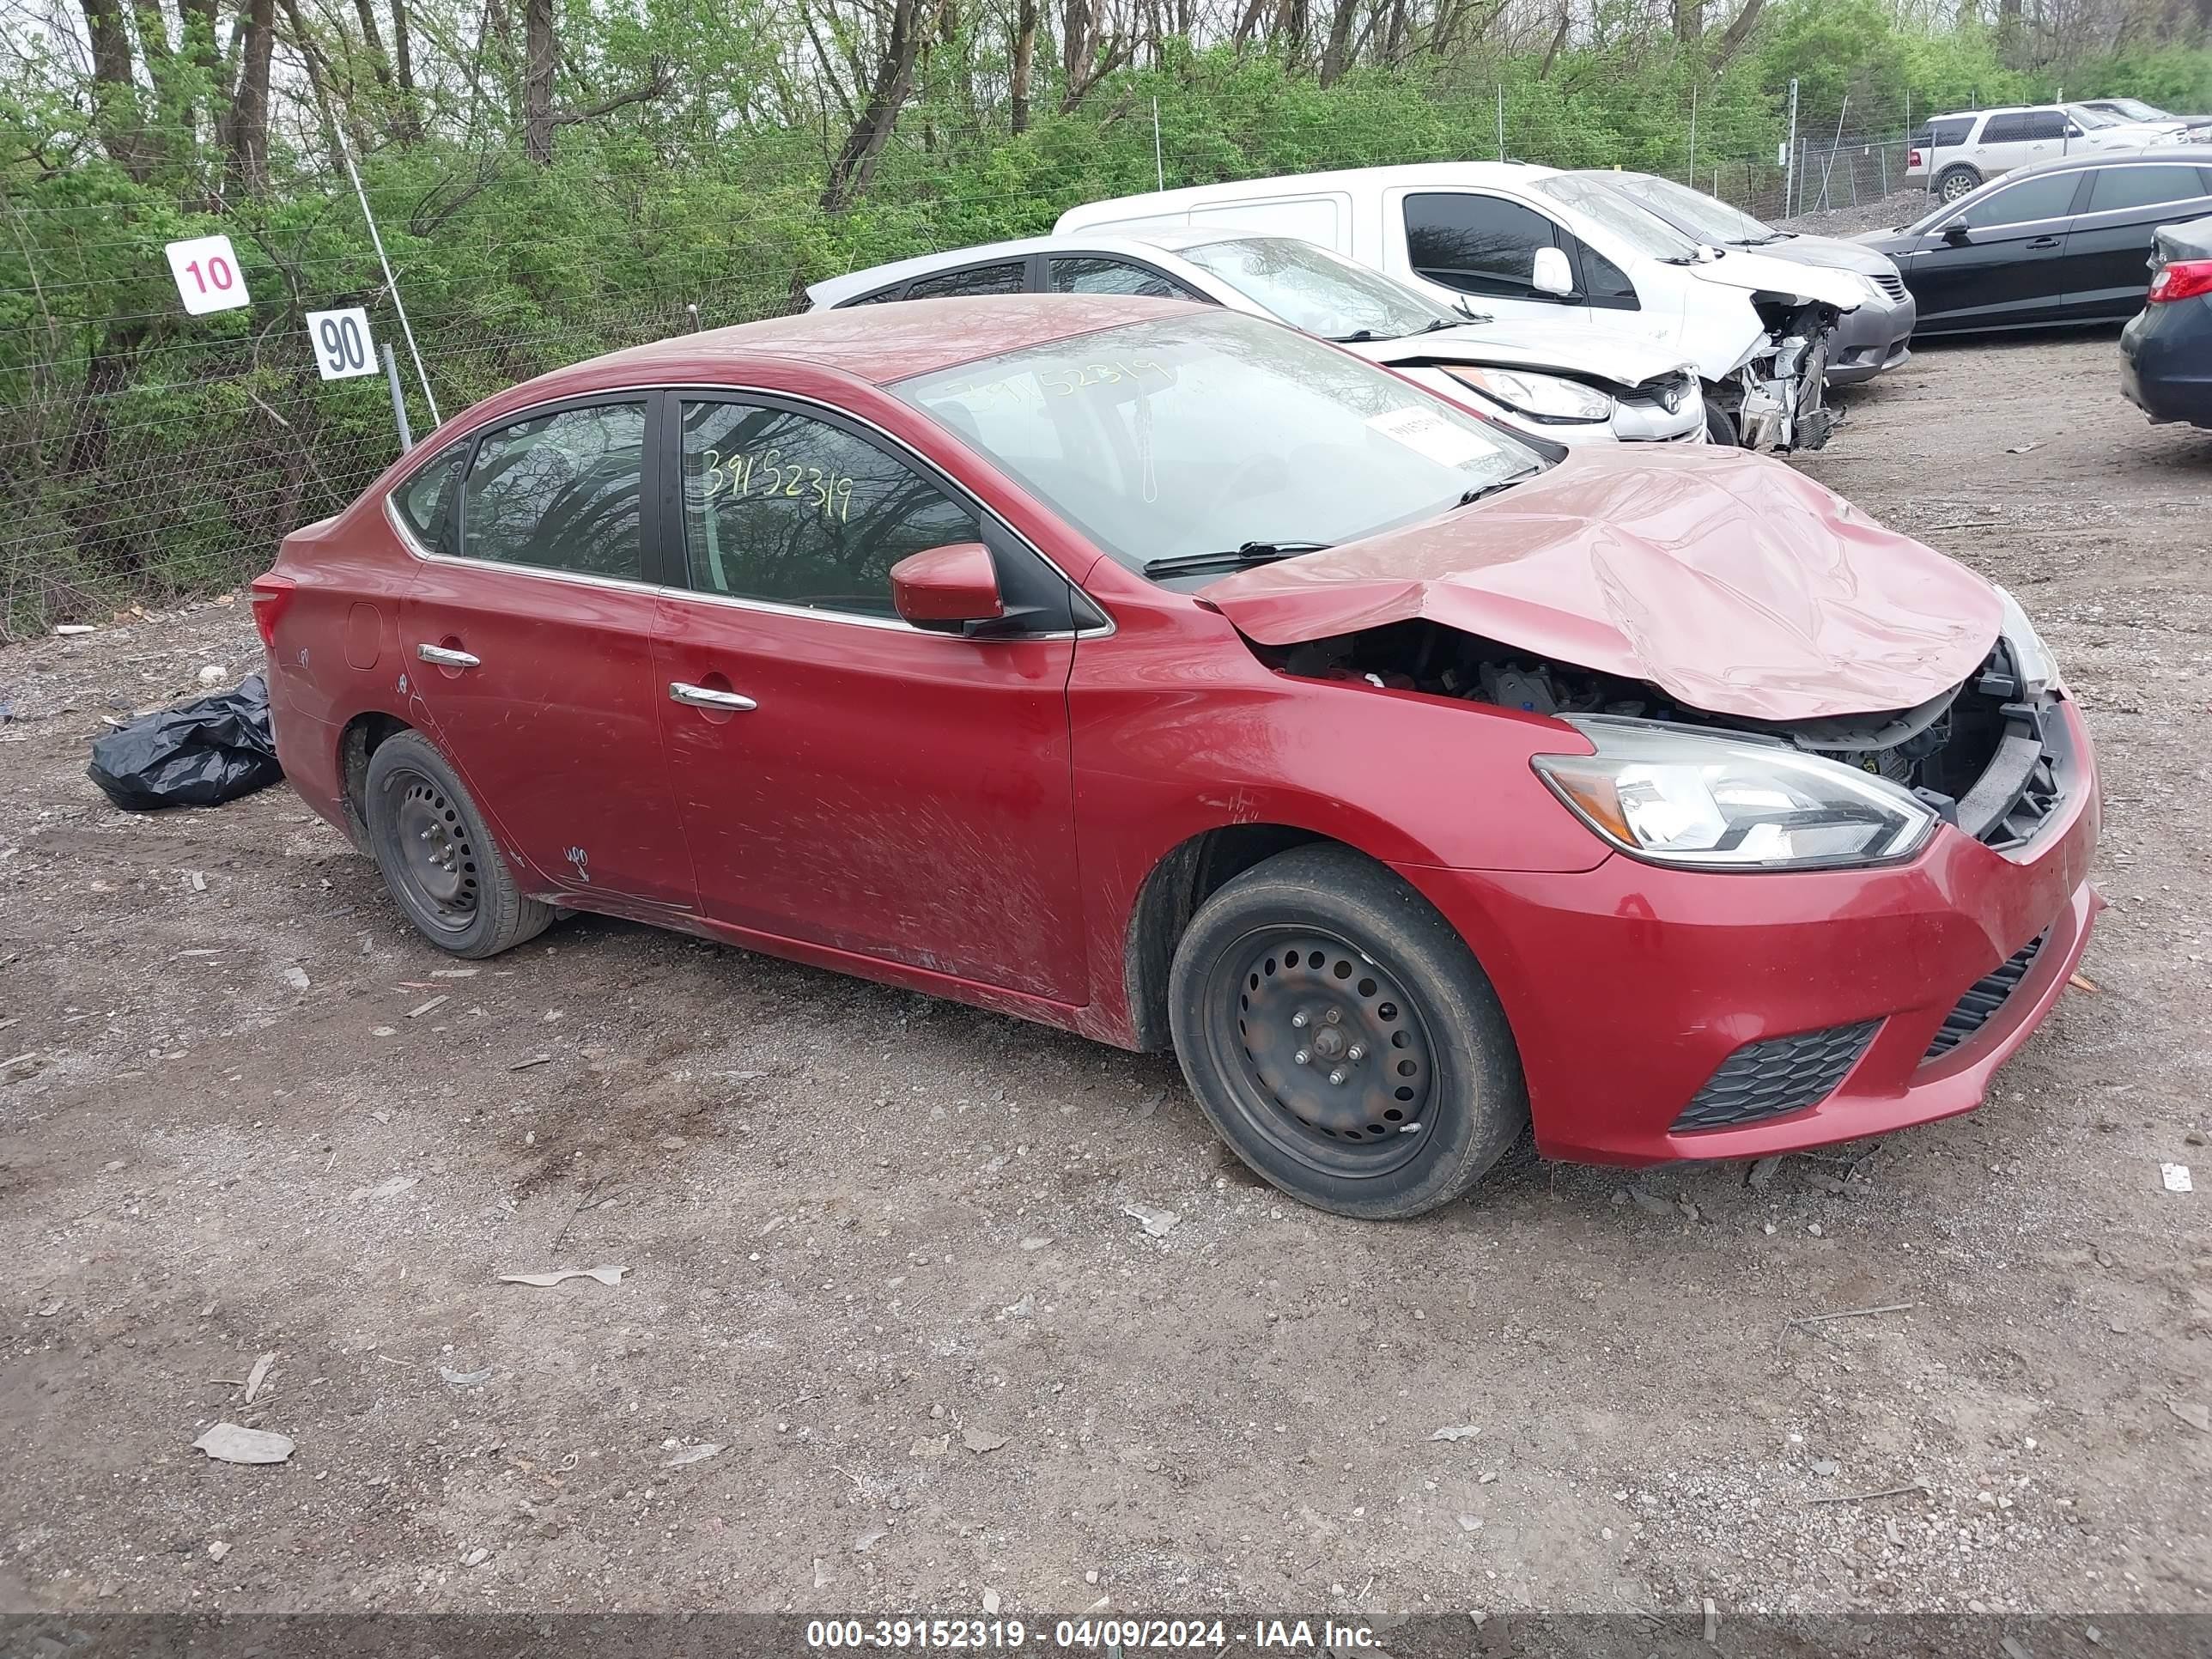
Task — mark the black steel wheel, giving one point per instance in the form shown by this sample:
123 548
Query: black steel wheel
1341 1037
438 858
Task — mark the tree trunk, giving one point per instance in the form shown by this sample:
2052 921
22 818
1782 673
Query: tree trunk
408 122
114 88
1737 32
1689 22
856 160
538 55
1335 56
379 64
1017 80
1394 36
1247 21
1558 42
244 131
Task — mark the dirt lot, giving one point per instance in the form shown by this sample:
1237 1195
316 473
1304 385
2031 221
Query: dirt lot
876 1248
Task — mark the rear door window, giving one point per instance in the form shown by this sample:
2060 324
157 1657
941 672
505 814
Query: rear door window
561 491
1476 244
2142 187
2046 124
2005 129
1094 274
1012 277
2047 196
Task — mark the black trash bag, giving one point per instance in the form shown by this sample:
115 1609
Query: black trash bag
200 753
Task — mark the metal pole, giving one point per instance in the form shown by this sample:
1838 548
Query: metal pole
398 398
1159 167
390 282
1501 120
1691 177
1790 171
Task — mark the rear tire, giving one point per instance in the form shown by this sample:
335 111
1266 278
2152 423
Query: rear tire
1954 182
1341 1037
437 856
1720 426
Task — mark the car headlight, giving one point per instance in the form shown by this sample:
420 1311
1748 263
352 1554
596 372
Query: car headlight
2031 659
1539 397
1677 797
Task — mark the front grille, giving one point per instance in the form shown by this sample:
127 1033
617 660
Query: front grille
1984 998
1668 392
1892 284
1778 1075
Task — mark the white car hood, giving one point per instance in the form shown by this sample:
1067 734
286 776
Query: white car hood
1620 358
1739 268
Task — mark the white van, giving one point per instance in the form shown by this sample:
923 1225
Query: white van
1530 243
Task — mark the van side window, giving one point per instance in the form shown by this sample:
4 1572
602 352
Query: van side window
1476 244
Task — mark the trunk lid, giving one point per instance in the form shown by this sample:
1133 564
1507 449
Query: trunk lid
1730 580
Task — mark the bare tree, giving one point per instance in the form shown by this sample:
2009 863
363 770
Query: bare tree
904 31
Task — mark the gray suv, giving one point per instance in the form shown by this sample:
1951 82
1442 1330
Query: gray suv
1867 341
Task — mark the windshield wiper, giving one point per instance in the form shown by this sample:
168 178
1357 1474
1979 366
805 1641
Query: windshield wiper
1441 322
1357 337
1469 497
1232 558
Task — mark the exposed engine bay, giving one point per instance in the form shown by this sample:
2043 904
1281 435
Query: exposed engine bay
1777 396
1983 754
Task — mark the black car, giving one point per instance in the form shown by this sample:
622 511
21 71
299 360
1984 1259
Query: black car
2168 346
2059 242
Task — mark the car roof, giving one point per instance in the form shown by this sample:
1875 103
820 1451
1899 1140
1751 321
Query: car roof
1133 242
2192 154
836 290
877 344
1409 174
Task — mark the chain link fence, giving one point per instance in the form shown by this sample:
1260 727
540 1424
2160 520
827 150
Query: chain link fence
148 456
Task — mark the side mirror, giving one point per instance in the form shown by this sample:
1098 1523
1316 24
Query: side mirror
947 589
1955 233
1551 274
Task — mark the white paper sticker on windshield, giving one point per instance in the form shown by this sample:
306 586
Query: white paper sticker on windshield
1427 433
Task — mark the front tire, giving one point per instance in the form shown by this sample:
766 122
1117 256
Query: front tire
1341 1037
1720 425
437 856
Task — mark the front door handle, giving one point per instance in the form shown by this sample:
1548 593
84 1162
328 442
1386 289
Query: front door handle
703 697
2044 241
444 658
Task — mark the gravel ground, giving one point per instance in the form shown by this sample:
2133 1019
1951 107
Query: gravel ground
1901 207
878 1258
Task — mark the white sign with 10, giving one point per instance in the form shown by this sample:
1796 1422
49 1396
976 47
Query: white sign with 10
342 346
207 273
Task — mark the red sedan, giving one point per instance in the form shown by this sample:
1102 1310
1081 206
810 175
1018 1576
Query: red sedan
1161 674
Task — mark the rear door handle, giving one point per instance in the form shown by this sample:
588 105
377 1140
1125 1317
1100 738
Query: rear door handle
2044 241
444 658
701 696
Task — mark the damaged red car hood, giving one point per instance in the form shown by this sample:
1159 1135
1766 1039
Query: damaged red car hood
1731 581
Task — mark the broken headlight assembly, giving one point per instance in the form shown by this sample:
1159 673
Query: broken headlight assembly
1539 397
2031 659
1684 798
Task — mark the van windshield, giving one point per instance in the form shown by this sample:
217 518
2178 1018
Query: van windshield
1311 289
1634 225
1200 433
1691 211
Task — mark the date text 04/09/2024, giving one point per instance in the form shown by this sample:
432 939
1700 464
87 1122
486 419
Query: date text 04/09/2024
1101 1634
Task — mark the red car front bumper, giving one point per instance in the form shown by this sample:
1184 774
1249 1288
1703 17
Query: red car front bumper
1628 985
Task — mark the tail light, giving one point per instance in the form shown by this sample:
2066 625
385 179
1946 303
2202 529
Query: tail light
2184 279
1912 158
271 595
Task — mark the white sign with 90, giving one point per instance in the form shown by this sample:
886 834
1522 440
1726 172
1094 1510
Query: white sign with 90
343 348
207 273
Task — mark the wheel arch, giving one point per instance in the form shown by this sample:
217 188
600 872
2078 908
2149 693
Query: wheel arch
358 739
1183 878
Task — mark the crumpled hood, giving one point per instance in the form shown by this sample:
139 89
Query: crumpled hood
1729 579
1620 360
1759 272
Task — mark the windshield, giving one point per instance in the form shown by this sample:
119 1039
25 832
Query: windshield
1198 433
2087 116
1313 290
2136 110
1633 224
1690 211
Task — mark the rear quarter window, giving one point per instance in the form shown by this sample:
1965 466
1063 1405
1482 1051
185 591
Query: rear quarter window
424 498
